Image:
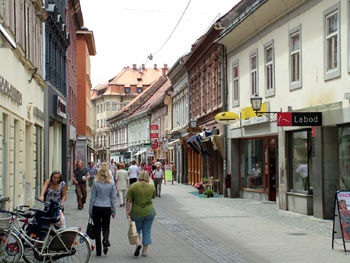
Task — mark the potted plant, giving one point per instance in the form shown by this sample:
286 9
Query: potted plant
209 193
200 187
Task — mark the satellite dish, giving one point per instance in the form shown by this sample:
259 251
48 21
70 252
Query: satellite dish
226 118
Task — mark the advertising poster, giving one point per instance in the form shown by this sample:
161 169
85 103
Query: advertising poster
168 173
343 198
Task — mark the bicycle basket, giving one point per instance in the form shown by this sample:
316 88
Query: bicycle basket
67 238
5 220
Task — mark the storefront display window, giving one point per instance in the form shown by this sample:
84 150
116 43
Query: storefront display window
344 157
301 165
252 168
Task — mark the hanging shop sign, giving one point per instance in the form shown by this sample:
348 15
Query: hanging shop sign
299 119
153 127
60 107
153 135
10 91
341 218
226 118
154 144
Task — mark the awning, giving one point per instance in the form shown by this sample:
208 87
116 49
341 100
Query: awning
194 143
140 152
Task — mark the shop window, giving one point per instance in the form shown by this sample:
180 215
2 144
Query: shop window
344 158
301 163
252 171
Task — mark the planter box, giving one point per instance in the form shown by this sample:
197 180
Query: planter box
300 203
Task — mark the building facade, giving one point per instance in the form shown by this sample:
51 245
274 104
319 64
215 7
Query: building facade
300 167
75 21
85 108
22 89
111 99
56 44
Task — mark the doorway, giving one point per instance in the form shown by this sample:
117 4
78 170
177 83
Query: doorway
271 163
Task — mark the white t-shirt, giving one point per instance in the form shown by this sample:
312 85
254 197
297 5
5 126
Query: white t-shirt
133 171
158 174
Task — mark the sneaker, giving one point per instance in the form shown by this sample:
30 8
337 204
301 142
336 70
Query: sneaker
144 253
137 251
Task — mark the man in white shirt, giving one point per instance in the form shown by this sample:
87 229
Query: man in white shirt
133 172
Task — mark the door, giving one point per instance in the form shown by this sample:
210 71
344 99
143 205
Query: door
272 169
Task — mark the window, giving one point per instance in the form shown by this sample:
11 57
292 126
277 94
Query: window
235 85
295 58
106 122
332 42
269 70
127 90
98 124
139 90
108 106
301 162
254 72
114 106
98 109
252 160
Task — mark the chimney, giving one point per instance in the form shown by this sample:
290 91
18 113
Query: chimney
155 66
165 66
134 67
165 69
143 66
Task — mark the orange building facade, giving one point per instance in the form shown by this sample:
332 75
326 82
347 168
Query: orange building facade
85 48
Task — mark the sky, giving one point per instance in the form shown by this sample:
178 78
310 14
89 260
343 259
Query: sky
126 32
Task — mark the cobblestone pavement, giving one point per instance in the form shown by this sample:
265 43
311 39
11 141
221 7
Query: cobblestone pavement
192 229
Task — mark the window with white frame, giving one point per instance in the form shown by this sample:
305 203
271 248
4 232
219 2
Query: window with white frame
98 109
295 57
269 69
98 124
332 42
108 106
254 72
114 106
235 84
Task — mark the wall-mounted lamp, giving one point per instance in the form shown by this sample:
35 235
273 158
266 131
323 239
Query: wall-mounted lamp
256 102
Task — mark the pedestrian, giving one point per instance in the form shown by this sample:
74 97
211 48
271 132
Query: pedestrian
139 198
80 176
102 207
92 172
54 189
121 180
158 179
133 172
112 167
173 171
148 168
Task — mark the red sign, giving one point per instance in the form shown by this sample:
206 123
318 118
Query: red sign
313 132
153 135
284 119
153 127
154 144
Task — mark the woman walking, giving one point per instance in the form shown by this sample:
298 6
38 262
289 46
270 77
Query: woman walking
121 180
102 206
139 206
54 189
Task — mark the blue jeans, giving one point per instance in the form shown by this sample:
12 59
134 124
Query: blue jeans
144 225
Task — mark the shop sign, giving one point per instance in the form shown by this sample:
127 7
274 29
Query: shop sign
10 91
153 135
61 107
150 152
38 113
153 127
299 119
154 144
341 218
248 115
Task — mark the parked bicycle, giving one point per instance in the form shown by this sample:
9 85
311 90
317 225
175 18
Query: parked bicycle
40 240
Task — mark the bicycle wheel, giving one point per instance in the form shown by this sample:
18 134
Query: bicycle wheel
30 256
11 248
79 244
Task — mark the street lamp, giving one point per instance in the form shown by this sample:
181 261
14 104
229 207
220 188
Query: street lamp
193 123
256 102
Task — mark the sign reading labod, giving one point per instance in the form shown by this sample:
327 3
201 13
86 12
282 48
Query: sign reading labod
299 118
10 91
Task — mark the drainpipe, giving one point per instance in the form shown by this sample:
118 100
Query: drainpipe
224 108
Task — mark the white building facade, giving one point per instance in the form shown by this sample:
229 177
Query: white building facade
21 100
296 56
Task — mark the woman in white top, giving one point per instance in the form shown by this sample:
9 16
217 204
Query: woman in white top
121 180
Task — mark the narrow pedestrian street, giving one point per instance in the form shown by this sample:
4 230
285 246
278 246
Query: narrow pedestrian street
188 228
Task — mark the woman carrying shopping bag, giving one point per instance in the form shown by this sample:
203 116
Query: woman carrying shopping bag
139 207
102 206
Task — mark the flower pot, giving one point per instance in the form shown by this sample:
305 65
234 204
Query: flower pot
200 191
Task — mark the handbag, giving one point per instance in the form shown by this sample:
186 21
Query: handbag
91 229
132 233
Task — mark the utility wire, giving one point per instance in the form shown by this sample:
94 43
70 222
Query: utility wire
173 29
